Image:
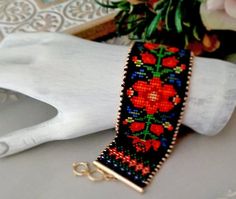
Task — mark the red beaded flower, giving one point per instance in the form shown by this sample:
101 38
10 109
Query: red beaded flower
134 58
130 92
141 145
145 170
153 96
148 58
170 62
173 49
137 126
151 46
145 145
157 129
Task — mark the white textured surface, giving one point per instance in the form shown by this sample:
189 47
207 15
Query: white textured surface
41 16
80 80
219 14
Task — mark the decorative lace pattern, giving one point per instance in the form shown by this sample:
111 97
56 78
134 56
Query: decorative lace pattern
47 16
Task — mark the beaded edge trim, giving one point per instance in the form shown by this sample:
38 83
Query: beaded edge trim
176 131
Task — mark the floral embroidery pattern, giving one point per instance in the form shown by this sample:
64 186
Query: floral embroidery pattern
145 145
170 62
148 58
157 129
150 46
153 97
137 126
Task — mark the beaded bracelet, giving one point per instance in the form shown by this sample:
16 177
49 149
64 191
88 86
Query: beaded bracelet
153 97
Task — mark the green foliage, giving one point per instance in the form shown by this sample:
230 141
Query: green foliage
147 21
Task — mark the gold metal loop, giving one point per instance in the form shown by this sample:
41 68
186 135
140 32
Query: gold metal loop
106 176
96 175
81 168
91 171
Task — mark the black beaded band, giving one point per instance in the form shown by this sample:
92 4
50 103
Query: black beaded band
152 104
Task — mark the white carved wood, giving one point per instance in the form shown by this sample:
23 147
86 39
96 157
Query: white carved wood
82 79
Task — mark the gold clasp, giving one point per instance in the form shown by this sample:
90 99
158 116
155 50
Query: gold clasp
91 171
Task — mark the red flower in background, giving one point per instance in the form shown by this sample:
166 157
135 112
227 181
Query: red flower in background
137 126
209 43
151 3
151 46
148 58
170 62
196 47
153 96
157 129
